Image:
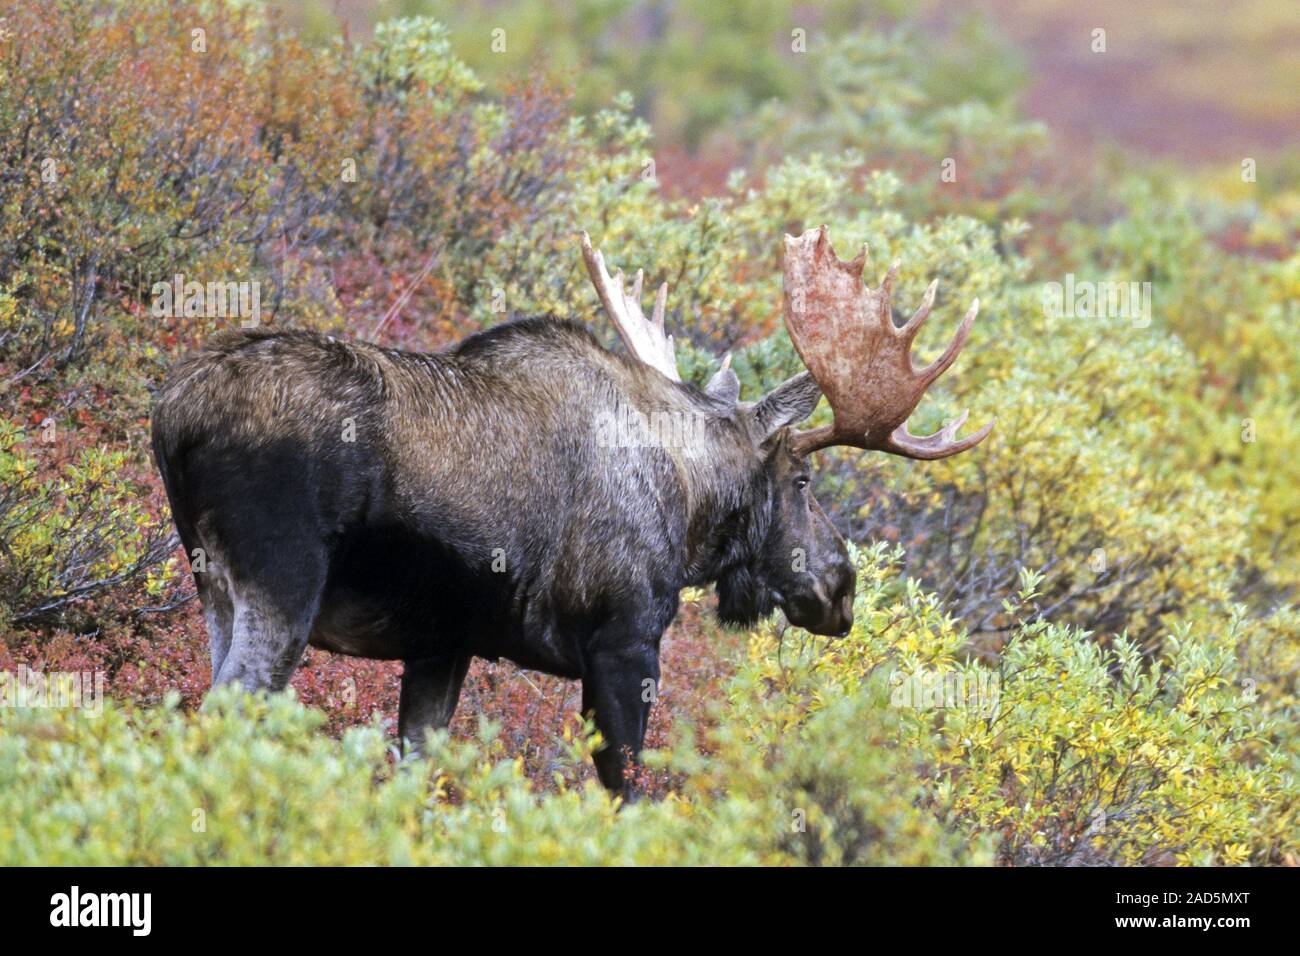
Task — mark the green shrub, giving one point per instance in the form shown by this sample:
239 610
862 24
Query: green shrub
1069 752
1065 750
71 531
252 781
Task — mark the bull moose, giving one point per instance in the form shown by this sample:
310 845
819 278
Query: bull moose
434 507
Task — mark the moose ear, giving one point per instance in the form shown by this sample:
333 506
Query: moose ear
788 404
724 387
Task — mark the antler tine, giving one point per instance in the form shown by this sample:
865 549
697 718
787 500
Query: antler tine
844 332
942 444
644 338
887 294
942 363
908 332
661 300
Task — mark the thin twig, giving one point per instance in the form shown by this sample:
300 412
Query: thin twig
407 292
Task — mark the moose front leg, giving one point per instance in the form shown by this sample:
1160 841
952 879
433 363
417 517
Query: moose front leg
618 690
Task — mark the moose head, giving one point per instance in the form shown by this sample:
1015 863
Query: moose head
781 550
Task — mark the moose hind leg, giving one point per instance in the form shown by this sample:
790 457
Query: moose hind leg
430 690
218 615
266 643
272 621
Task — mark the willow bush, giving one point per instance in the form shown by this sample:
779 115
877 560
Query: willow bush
1070 752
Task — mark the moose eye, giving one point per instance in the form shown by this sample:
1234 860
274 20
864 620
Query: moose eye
801 482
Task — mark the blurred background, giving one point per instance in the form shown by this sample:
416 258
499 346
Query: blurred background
1192 80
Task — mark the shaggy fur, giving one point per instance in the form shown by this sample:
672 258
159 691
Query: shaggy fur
436 507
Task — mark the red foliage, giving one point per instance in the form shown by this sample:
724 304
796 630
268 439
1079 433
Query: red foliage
143 662
180 164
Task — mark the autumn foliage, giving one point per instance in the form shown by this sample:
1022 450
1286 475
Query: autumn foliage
1116 566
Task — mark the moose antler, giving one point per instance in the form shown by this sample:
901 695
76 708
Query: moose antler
644 338
845 334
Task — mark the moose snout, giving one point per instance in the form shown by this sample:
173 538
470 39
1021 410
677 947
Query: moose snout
841 610
825 607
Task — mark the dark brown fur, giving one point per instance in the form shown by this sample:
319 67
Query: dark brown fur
481 509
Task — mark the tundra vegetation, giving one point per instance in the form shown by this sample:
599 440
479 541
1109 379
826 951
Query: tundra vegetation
1078 643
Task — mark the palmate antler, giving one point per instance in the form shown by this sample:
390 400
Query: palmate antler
644 338
845 334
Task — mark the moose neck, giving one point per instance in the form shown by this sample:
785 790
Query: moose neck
729 508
